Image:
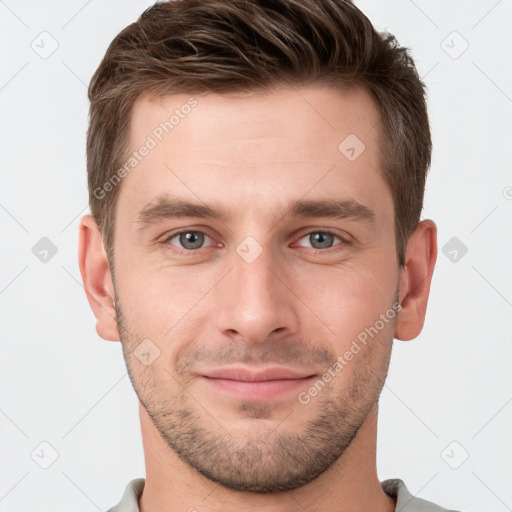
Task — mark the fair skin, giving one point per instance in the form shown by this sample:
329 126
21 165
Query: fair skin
244 441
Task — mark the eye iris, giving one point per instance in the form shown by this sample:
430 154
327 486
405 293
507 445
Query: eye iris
324 239
191 239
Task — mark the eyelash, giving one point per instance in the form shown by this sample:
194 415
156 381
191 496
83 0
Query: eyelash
191 252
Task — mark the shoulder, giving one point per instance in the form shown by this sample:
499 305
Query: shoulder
407 502
130 500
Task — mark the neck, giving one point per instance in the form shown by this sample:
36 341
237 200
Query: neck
349 484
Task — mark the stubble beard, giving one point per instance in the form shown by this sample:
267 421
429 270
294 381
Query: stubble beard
265 457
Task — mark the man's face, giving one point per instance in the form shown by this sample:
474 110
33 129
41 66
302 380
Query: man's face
244 314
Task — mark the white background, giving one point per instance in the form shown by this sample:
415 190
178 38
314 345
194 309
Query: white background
62 384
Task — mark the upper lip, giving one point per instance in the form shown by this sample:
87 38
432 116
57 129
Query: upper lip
256 375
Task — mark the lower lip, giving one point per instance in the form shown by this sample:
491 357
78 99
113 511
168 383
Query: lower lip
259 390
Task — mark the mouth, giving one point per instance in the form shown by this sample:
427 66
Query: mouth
261 384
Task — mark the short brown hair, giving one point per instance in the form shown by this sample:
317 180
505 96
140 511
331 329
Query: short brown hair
221 46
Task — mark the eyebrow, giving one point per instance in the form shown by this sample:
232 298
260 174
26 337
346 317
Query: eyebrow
168 207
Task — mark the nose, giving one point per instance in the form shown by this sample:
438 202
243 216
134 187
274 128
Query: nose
256 300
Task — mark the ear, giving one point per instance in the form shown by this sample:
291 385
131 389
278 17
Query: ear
96 277
415 279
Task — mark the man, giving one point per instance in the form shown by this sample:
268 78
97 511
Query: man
256 175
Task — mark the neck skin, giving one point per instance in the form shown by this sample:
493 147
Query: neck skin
351 484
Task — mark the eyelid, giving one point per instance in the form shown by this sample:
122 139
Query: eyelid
343 235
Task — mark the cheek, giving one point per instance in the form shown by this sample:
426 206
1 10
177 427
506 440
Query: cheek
348 299
164 305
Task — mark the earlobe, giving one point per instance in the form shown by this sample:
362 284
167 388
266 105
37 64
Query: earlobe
415 280
97 279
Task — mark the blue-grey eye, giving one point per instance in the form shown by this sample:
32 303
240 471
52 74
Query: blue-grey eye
191 239
321 239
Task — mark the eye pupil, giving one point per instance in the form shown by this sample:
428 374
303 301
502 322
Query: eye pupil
191 239
325 240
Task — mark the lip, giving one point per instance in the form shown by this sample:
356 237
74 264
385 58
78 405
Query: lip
259 375
261 384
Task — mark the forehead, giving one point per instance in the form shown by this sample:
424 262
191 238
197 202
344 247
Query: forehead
290 113
251 148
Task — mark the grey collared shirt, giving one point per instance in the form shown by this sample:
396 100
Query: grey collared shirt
405 501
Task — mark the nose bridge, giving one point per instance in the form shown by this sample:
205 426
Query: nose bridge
255 269
255 301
